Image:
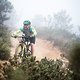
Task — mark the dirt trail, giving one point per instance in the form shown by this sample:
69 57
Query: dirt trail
43 48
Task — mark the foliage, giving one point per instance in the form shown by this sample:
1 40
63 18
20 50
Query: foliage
74 59
4 43
5 70
62 20
5 8
30 69
17 74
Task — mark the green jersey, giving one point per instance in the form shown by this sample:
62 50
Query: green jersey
29 32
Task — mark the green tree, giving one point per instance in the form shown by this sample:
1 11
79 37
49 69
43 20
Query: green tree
74 59
62 20
61 30
5 9
4 43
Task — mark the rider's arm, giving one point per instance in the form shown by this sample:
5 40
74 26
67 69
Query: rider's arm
33 31
18 32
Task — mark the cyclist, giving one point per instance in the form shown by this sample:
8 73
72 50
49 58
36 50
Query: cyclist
29 32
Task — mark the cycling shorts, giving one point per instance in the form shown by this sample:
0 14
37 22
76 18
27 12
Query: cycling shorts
31 39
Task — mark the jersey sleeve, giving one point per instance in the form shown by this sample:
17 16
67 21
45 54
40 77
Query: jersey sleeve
18 32
32 29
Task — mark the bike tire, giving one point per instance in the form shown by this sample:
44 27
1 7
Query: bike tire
27 51
19 51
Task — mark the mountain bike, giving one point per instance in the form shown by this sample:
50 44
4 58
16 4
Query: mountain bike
22 52
23 49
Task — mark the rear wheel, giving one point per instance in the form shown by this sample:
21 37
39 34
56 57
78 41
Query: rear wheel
27 52
28 48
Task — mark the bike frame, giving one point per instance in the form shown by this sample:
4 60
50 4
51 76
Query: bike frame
24 44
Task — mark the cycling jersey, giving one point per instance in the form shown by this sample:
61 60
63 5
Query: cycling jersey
28 32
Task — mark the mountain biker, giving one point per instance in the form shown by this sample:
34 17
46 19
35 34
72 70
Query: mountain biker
30 32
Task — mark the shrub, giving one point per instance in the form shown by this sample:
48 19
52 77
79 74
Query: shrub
74 59
43 70
4 43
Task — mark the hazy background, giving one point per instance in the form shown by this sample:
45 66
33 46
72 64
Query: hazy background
27 9
54 20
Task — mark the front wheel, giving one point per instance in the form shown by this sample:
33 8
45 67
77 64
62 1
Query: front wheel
19 51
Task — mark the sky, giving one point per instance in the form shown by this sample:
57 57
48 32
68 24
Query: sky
27 9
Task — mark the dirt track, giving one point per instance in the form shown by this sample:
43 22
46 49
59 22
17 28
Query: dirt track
43 48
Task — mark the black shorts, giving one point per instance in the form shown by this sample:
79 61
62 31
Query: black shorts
31 39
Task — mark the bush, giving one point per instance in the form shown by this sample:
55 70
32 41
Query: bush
5 70
74 59
4 56
4 43
43 70
16 75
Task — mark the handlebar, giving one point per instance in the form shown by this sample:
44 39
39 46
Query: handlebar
24 38
20 36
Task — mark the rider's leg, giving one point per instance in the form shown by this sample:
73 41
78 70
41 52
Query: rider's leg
32 48
32 41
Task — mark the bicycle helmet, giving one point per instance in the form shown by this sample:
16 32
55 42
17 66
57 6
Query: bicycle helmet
26 22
